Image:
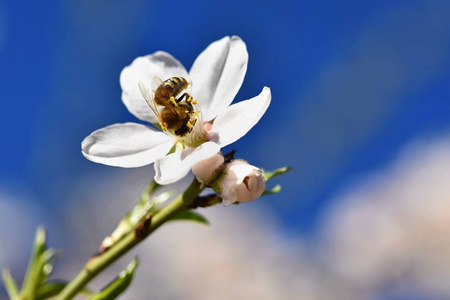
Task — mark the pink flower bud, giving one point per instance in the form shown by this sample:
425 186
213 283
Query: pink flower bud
207 170
242 183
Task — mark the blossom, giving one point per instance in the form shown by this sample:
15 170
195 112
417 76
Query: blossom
209 169
241 182
215 77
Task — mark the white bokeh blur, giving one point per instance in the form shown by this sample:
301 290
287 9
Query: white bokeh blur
391 230
385 234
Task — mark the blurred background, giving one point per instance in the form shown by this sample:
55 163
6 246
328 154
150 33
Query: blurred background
360 109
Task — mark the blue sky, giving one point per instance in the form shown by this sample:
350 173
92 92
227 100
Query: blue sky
352 83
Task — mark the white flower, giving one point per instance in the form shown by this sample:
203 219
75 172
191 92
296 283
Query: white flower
242 183
216 76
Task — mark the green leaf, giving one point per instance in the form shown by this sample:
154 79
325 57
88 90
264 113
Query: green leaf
46 264
10 284
49 290
40 267
52 289
275 190
119 285
32 277
275 173
191 216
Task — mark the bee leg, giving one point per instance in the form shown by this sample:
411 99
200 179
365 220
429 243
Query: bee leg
185 95
189 98
181 97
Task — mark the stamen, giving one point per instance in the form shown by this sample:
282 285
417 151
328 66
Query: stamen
172 99
188 124
189 99
195 122
196 114
194 102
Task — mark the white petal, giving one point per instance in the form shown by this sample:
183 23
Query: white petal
227 202
126 145
239 118
143 69
217 75
206 170
175 166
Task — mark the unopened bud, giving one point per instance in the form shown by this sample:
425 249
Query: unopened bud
242 182
207 170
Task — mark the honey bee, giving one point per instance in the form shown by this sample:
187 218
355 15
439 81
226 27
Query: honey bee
175 115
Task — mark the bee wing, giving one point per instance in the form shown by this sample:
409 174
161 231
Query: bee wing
148 97
156 82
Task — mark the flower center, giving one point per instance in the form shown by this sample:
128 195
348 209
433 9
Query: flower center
179 115
196 135
187 122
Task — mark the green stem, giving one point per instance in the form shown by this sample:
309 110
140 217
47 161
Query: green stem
99 263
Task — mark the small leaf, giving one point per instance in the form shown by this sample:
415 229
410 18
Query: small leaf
275 190
34 271
52 289
10 284
119 285
275 173
49 290
191 216
46 264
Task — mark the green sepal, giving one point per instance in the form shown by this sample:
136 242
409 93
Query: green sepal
272 174
191 216
118 285
275 190
10 284
51 289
